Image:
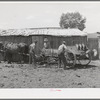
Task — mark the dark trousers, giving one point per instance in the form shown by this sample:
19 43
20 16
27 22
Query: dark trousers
62 58
32 58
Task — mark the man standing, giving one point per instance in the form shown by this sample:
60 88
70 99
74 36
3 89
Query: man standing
32 57
61 52
46 43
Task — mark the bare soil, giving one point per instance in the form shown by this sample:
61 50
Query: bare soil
25 76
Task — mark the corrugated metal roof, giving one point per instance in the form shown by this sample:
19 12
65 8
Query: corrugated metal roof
53 32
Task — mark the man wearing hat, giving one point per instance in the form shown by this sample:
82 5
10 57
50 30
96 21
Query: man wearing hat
32 57
61 52
46 44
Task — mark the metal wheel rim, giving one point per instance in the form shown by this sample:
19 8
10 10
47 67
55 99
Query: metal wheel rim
85 62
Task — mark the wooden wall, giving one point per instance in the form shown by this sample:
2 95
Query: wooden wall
93 44
16 39
99 46
55 41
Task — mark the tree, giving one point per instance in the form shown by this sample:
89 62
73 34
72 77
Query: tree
72 20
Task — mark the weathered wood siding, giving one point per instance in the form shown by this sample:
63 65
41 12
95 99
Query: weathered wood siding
55 41
99 46
16 39
93 44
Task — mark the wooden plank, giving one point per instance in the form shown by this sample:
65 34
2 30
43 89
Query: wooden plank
93 44
99 47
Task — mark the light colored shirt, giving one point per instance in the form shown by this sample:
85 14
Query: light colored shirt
62 48
45 45
32 47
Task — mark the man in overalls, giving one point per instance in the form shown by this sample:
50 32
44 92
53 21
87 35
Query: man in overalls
32 57
61 52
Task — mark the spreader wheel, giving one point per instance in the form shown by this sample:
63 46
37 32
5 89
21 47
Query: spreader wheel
85 58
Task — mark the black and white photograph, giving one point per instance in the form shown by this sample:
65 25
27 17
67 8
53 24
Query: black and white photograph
49 45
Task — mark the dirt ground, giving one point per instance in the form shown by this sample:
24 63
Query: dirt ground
25 76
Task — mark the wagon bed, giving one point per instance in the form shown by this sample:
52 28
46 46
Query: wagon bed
72 54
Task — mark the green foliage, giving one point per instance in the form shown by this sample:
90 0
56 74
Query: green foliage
72 20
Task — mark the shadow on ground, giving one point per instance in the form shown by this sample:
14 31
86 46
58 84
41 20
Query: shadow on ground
79 66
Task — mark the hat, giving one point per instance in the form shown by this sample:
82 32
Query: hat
63 42
45 40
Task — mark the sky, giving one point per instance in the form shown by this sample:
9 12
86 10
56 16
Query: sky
16 15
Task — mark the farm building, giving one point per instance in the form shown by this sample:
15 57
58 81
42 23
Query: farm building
54 35
94 43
